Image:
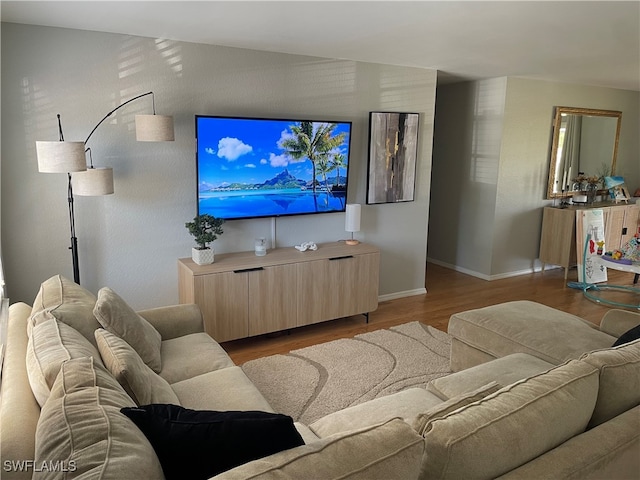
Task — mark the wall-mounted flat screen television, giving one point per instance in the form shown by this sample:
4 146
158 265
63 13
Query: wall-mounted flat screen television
259 167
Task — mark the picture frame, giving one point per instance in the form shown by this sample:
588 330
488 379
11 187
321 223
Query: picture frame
393 152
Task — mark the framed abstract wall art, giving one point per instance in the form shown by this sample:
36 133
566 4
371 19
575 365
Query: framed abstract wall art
393 151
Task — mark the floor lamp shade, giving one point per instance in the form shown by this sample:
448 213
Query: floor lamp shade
154 128
352 221
61 157
93 182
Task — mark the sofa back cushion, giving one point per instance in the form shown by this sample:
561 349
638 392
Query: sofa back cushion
51 343
142 384
116 316
67 302
520 421
619 390
82 433
391 450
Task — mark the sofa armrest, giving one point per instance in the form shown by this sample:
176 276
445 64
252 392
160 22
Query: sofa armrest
616 322
175 320
19 411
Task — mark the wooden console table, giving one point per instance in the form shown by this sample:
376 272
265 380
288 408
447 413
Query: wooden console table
243 295
558 235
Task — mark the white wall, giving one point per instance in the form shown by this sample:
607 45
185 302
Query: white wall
514 217
131 240
467 139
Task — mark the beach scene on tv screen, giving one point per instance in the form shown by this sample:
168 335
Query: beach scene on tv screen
261 168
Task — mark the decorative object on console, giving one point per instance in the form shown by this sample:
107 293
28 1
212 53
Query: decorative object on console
587 186
393 151
352 221
261 246
70 157
205 229
303 247
618 191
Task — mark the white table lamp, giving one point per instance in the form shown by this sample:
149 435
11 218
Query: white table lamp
352 221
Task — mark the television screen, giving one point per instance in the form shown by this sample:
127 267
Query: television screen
258 167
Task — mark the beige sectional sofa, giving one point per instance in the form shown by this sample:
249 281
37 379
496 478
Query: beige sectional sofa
75 359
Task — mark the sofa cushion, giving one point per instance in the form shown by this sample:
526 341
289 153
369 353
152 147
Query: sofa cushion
142 384
82 430
306 433
67 302
224 389
525 419
504 371
389 451
51 343
619 390
422 422
608 451
205 355
527 327
405 404
200 444
117 317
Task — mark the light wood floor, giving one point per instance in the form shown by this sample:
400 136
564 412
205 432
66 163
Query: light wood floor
448 292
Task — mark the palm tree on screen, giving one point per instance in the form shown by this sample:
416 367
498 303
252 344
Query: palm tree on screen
339 161
313 141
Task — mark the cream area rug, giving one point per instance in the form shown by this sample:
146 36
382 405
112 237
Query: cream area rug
312 382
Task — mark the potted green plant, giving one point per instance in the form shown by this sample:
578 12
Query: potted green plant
205 229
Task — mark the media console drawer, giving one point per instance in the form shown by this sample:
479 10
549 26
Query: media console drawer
243 295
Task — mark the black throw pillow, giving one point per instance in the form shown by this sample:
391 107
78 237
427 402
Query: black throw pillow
199 444
628 336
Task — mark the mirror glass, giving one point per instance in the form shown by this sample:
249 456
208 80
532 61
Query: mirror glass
585 141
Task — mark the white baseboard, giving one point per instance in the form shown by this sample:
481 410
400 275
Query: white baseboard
489 277
406 293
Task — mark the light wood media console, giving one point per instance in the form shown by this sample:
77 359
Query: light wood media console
242 295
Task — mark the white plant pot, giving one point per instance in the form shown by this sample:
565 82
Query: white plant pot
202 257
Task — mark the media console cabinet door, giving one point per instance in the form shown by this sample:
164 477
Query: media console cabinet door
222 297
272 299
358 281
337 287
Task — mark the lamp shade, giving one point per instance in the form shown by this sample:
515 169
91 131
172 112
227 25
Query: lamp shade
61 157
154 128
352 217
93 182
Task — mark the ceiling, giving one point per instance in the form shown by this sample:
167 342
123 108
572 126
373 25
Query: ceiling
586 42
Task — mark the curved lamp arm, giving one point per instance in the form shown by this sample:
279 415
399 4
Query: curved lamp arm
118 108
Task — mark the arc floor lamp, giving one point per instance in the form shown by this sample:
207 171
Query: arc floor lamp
71 158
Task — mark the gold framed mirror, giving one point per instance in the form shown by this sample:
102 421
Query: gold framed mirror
585 141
